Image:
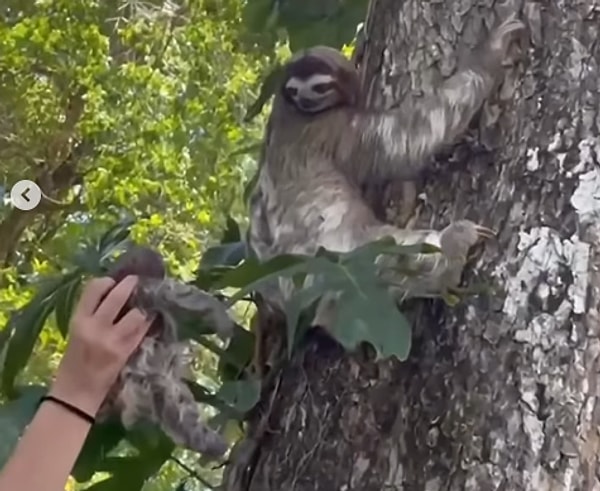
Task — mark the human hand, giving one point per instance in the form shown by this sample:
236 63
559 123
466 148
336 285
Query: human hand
98 348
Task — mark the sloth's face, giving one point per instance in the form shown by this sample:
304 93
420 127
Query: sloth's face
313 94
318 79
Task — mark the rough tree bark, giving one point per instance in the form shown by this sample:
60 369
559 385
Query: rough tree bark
500 392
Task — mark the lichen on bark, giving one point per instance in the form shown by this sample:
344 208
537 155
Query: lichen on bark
500 392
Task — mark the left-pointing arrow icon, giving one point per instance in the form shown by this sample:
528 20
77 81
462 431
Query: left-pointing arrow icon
25 195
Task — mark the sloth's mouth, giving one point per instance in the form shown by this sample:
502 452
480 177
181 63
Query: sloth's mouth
306 103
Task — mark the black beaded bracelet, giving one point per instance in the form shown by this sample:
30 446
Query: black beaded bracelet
69 407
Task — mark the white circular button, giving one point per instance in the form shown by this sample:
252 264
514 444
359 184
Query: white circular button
25 195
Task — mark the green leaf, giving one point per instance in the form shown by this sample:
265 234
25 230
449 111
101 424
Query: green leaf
203 396
182 486
228 254
260 18
303 300
325 22
151 441
213 347
258 12
384 246
272 81
193 329
131 472
93 256
232 232
102 438
372 316
115 236
241 394
218 260
206 279
130 482
251 273
118 464
26 326
65 300
366 310
238 354
14 418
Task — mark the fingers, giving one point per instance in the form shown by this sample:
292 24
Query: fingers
116 299
92 294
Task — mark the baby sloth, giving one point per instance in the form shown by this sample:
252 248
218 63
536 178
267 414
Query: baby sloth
150 387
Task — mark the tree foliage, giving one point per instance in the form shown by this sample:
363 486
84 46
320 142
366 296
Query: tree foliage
305 22
114 107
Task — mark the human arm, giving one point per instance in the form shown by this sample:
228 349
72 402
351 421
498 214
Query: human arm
47 451
97 350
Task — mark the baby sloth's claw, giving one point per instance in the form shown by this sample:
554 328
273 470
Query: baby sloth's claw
456 240
458 237
485 233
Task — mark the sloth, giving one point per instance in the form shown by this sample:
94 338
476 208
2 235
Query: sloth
320 147
151 387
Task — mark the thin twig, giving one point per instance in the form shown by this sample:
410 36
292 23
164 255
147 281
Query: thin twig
192 472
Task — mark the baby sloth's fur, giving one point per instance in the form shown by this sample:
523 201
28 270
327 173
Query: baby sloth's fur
151 386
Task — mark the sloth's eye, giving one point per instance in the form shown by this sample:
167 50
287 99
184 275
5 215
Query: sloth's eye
321 88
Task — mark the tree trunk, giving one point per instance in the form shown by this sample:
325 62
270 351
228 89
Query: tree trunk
500 392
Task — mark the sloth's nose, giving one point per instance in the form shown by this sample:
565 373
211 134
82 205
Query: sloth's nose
306 103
